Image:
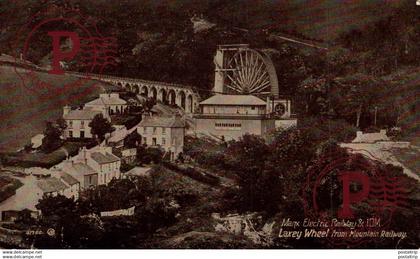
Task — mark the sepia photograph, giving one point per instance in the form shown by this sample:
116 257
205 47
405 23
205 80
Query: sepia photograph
209 124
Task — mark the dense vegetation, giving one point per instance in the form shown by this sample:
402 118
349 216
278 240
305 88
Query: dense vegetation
273 182
368 68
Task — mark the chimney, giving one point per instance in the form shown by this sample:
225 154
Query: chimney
66 110
84 155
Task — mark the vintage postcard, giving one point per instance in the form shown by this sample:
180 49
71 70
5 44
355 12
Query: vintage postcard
198 124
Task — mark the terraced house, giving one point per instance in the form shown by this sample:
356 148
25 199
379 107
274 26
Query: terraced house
165 132
78 120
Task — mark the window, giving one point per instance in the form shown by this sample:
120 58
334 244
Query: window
70 134
163 141
82 134
154 141
154 130
163 131
70 124
145 129
82 124
144 140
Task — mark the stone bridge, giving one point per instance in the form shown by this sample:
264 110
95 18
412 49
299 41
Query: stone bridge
183 96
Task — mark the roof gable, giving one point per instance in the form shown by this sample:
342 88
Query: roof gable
51 185
104 158
84 114
70 180
165 122
225 99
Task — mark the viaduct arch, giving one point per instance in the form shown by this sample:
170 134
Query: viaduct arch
175 94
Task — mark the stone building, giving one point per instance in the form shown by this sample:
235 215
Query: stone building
92 167
232 116
165 132
111 102
78 121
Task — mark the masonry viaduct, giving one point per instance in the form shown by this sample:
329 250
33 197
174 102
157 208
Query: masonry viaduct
183 96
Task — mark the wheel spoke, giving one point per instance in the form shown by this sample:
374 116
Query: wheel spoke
260 87
261 78
238 71
233 88
256 74
236 84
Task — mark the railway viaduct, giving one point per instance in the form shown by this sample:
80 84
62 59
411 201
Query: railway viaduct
182 95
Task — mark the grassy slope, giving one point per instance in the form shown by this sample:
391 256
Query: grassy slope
23 111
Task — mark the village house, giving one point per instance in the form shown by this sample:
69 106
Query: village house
165 132
100 160
111 102
78 121
116 138
73 185
232 116
84 174
50 186
370 137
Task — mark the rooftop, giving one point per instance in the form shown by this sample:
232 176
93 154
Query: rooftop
79 169
226 99
107 99
81 114
104 158
121 134
139 171
370 137
70 180
160 121
51 184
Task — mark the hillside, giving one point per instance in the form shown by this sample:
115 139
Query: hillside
23 112
175 41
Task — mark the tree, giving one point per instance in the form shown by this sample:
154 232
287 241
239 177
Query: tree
100 126
132 140
353 97
153 154
258 183
61 124
52 138
148 104
60 214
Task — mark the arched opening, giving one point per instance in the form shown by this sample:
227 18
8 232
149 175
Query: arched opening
182 98
120 84
172 97
127 87
154 93
162 95
136 89
144 91
190 104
